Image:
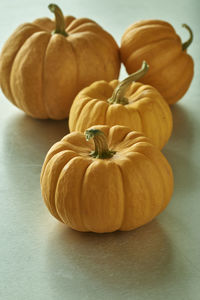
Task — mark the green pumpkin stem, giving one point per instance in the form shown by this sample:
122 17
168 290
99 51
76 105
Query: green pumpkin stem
59 19
119 92
189 41
100 142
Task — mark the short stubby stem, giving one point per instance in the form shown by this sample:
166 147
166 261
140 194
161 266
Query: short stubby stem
101 146
118 96
189 41
59 19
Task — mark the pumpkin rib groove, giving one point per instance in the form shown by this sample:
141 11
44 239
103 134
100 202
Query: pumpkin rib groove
32 106
141 49
129 115
161 131
136 134
81 193
81 120
68 20
76 149
141 119
71 147
98 54
156 120
109 40
102 111
145 178
161 66
106 41
42 24
62 200
105 114
136 25
84 100
136 110
133 29
164 108
141 181
130 30
52 94
77 62
165 187
146 182
137 139
165 190
124 195
80 28
145 50
120 139
153 27
107 121
56 200
51 165
78 22
9 83
51 154
182 79
43 87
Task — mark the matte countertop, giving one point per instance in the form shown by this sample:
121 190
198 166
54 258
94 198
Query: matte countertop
41 258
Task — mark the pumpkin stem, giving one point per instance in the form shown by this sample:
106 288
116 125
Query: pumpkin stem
119 92
100 142
59 19
189 41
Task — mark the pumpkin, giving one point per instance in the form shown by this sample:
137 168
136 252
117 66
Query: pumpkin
108 179
157 42
138 106
44 64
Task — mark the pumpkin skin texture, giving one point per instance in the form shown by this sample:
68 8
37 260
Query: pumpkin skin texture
145 109
104 186
171 68
41 72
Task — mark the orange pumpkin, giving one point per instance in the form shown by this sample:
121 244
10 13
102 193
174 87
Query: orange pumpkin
157 42
138 106
44 64
118 182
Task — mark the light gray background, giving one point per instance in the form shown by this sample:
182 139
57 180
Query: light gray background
41 258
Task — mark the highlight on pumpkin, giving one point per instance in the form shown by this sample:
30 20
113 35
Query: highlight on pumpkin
119 92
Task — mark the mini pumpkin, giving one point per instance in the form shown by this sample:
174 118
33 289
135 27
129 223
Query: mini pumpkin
44 64
156 41
118 181
138 106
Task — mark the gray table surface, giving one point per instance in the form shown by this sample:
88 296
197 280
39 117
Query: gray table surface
41 258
